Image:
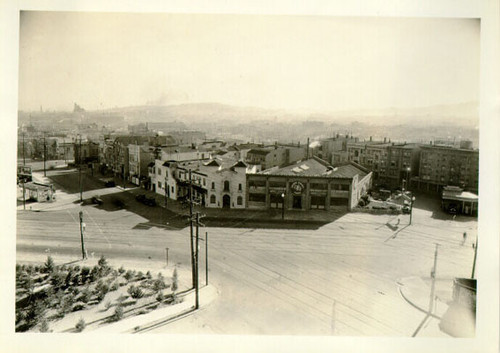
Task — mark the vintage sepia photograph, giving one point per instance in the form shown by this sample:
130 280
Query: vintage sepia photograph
259 175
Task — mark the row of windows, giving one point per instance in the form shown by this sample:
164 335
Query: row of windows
213 200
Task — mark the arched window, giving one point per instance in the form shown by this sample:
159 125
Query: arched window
226 185
239 200
212 199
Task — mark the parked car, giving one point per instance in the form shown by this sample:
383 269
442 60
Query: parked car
406 209
110 183
452 211
150 201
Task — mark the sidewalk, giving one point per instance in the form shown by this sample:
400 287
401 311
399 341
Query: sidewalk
246 215
416 292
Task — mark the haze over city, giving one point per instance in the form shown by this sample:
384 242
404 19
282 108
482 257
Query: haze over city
294 63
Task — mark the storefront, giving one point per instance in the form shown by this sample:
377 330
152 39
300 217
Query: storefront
455 200
308 185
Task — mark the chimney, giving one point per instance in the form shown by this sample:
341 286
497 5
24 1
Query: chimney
385 139
370 139
307 155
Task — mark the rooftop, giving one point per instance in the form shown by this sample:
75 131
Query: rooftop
456 193
318 168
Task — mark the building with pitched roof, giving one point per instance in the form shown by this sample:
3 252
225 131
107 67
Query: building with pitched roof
215 183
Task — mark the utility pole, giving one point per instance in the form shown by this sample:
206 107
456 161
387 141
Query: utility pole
206 258
431 299
166 192
411 207
474 263
24 158
80 168
433 277
84 254
197 287
191 227
24 195
44 156
166 255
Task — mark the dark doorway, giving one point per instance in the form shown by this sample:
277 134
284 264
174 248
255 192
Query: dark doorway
226 201
297 202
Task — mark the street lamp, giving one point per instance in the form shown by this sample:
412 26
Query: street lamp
408 169
283 206
411 207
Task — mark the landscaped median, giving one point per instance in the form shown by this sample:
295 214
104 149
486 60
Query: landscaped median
74 298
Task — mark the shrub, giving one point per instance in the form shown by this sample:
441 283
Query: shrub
44 326
80 325
95 273
34 313
140 276
118 315
121 270
58 280
135 292
49 265
148 275
85 295
158 284
160 297
102 261
129 275
107 305
175 279
85 273
114 286
78 306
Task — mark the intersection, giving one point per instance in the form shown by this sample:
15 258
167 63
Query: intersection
339 279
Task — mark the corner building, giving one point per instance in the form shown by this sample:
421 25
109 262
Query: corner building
308 185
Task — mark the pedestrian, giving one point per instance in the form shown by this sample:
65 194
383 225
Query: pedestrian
464 238
399 220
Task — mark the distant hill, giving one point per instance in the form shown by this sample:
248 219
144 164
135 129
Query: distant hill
464 113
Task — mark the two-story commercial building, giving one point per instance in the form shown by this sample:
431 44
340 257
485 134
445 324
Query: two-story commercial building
308 184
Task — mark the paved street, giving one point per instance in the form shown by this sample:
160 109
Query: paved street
272 281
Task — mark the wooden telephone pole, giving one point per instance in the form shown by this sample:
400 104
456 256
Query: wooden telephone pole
431 299
84 253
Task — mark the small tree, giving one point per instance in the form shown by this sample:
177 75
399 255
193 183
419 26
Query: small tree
49 265
129 275
118 315
135 292
102 261
80 325
175 284
160 297
44 326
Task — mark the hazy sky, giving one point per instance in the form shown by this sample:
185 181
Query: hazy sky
102 60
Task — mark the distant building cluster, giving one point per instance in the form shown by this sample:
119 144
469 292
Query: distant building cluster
329 173
407 165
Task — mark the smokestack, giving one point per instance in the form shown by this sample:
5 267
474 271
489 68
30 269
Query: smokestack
307 155
370 139
385 139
